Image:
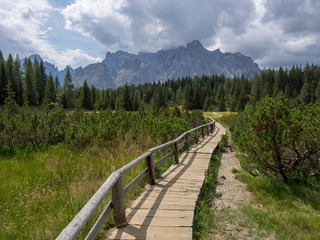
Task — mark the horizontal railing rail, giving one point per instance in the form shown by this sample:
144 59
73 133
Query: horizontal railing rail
114 185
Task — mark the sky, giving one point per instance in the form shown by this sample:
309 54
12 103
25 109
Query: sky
273 33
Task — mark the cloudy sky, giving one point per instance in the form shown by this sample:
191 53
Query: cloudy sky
272 32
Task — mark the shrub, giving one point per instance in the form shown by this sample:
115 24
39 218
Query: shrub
281 137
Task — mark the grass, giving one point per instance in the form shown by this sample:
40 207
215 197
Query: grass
42 190
218 116
203 217
291 211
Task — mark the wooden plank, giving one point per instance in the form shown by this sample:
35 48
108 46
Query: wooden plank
160 213
152 232
171 221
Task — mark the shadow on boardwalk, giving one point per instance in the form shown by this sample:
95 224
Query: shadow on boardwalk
166 210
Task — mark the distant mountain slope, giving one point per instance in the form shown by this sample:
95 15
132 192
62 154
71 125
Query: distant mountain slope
122 67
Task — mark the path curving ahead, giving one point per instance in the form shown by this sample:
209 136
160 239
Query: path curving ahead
166 210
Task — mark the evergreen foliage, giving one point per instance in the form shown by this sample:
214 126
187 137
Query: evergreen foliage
68 97
200 92
280 136
50 92
85 97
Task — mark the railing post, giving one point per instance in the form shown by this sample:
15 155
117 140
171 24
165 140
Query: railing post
196 136
208 130
202 132
119 210
151 170
211 128
176 153
186 142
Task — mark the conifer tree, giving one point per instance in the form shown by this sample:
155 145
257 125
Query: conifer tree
136 101
57 83
197 97
255 89
126 100
243 99
1 56
85 97
188 97
306 91
11 106
30 92
221 99
18 81
207 103
68 97
318 92
50 91
3 82
159 99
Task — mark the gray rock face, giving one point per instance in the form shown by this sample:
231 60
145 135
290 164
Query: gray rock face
192 60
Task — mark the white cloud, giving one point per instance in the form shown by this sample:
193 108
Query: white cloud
23 30
142 25
272 32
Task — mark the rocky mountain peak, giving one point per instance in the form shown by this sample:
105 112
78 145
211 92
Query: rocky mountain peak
195 44
119 68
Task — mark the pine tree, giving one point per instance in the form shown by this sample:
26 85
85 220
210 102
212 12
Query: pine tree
136 101
207 103
1 56
188 97
40 79
197 97
19 85
3 82
243 99
68 97
85 97
159 99
30 92
255 89
57 83
306 91
11 106
126 100
221 99
318 92
50 92
235 95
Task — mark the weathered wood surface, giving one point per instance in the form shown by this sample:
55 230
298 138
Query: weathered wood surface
166 210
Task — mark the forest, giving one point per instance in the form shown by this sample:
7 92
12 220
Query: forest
29 85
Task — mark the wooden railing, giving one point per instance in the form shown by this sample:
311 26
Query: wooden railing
114 184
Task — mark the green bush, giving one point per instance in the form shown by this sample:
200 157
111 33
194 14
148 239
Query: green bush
280 136
37 128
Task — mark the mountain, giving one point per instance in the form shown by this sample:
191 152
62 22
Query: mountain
191 60
50 68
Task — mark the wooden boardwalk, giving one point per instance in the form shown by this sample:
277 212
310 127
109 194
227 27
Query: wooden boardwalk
166 210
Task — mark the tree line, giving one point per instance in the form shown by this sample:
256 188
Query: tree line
30 85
